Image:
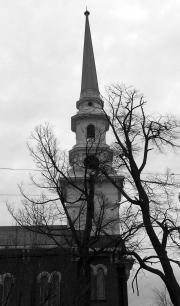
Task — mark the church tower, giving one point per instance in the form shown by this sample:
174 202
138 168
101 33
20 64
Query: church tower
90 123
91 152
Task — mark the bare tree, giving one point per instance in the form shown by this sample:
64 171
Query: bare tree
69 196
148 207
148 217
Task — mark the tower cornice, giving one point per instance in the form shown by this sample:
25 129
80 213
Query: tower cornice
90 99
97 116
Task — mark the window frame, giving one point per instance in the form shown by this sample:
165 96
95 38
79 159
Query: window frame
94 282
3 278
55 273
49 277
90 132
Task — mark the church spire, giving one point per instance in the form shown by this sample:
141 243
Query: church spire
89 82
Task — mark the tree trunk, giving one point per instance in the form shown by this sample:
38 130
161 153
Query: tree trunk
174 293
83 297
169 279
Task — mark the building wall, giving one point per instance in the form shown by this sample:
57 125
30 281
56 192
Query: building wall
26 265
106 202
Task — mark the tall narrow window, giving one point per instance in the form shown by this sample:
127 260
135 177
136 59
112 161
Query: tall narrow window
101 292
98 282
55 279
43 288
8 286
90 131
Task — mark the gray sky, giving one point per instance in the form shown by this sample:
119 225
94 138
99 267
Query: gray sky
41 43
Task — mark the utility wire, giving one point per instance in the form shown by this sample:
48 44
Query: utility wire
17 195
37 170
19 169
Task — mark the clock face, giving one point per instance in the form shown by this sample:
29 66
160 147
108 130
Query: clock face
91 162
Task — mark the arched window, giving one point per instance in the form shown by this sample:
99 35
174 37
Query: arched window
100 283
43 279
54 281
90 131
7 290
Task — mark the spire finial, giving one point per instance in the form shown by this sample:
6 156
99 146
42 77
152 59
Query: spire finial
89 83
86 13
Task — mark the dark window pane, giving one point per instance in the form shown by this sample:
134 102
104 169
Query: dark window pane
55 290
8 290
44 294
90 131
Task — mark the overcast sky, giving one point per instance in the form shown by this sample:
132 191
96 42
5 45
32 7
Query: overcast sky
41 43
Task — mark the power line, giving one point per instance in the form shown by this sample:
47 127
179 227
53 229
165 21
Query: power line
19 169
17 195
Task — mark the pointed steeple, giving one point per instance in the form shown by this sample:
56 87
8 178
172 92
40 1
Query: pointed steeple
89 82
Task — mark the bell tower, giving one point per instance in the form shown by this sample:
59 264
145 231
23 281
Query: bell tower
90 123
90 151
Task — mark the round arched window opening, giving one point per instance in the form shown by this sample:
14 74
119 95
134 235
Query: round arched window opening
90 131
91 162
100 284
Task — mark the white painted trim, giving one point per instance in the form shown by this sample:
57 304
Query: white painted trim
42 274
54 273
99 266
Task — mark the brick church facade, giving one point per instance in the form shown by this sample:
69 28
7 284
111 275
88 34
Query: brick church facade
37 270
31 267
